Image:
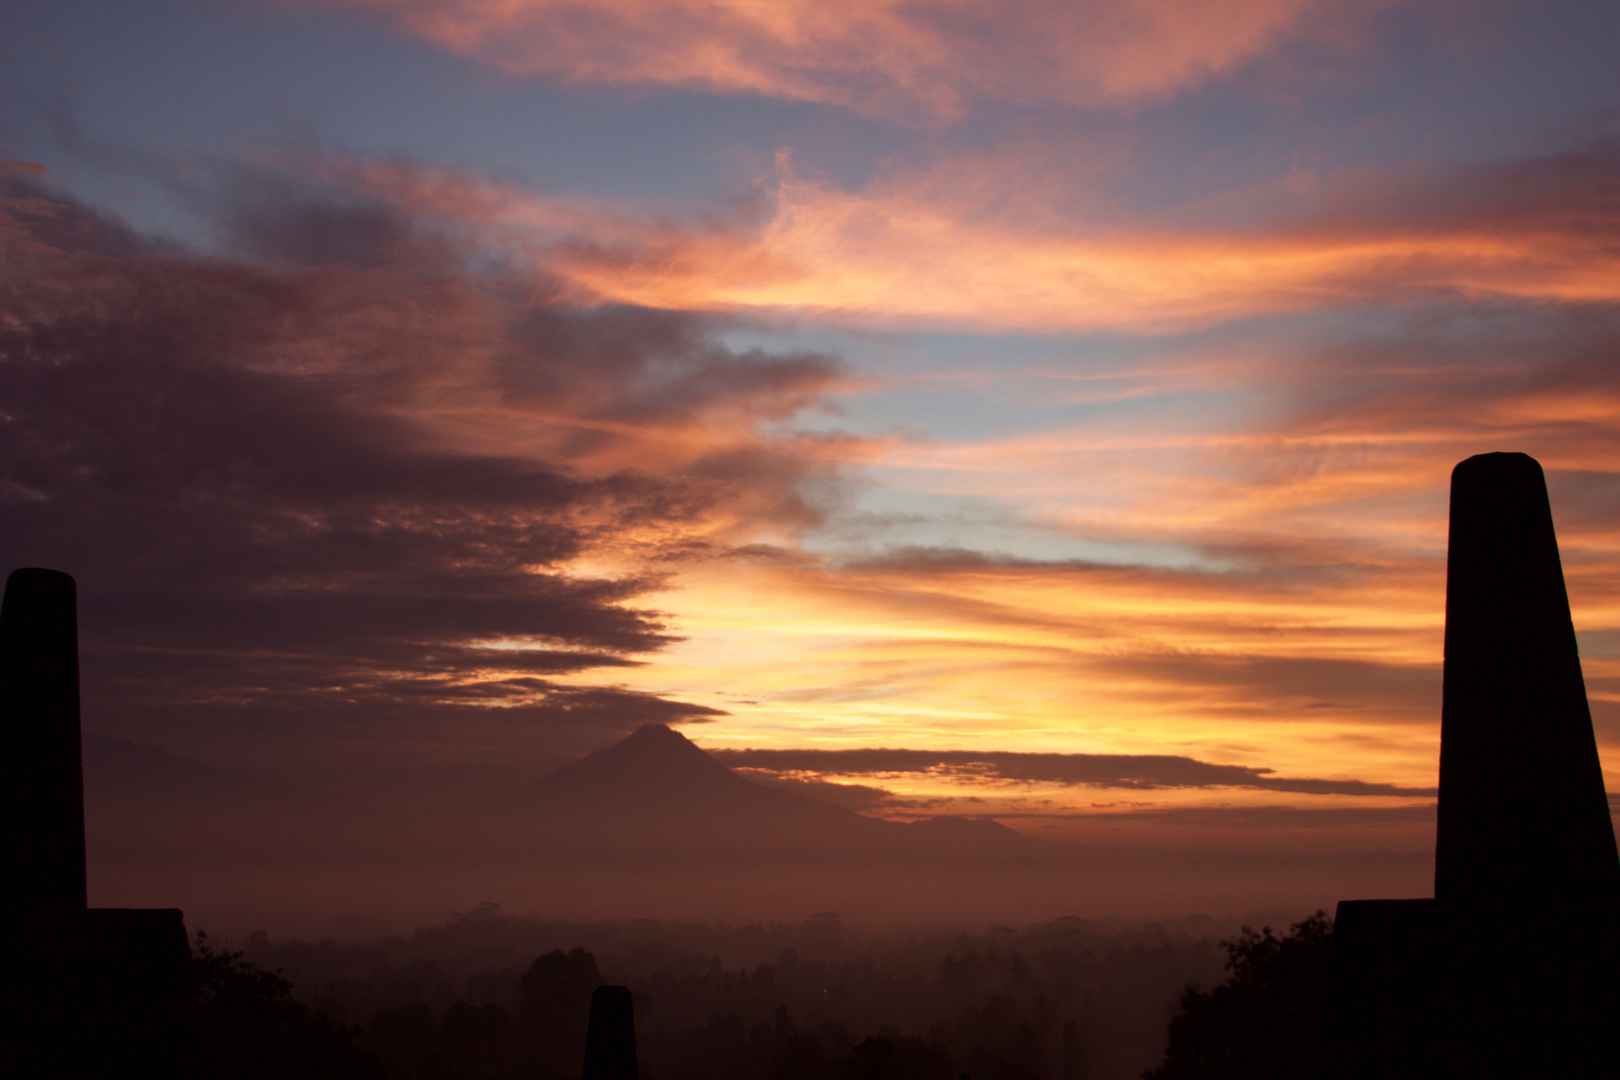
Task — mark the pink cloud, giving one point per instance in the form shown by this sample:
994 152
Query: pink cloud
908 60
925 249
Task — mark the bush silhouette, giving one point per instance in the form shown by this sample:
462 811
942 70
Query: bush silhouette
252 1028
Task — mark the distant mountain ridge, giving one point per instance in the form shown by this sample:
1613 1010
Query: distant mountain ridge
654 788
120 769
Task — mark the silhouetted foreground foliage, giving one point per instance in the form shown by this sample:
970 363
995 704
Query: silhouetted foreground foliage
97 1014
1262 1023
252 1028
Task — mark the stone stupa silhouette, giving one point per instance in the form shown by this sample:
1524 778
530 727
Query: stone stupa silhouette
84 992
610 1037
1510 970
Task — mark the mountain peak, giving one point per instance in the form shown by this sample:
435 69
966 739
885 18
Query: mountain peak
655 758
655 735
656 790
656 742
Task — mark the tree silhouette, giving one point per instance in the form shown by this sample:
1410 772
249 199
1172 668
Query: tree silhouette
885 1057
1261 1024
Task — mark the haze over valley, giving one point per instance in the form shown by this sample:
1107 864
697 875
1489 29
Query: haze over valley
649 827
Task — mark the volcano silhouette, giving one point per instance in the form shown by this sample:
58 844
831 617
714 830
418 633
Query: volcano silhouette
656 766
657 790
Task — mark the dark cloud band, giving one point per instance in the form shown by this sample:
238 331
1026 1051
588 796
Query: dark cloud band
308 477
1131 771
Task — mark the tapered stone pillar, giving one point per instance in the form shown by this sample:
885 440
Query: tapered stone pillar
1526 877
1524 823
92 993
1509 972
610 1040
41 782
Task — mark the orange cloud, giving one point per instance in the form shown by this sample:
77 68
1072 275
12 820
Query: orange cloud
928 250
904 59
1300 629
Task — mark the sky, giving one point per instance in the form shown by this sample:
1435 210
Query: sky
1058 398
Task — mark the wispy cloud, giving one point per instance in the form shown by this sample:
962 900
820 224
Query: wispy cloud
939 248
918 60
